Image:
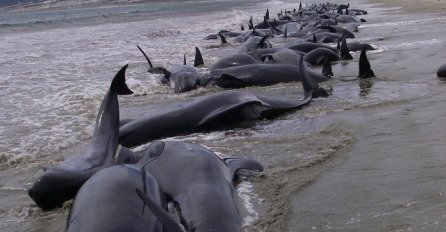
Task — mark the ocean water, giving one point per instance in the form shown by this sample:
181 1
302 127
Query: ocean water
57 62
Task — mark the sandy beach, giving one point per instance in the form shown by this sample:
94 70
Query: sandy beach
392 177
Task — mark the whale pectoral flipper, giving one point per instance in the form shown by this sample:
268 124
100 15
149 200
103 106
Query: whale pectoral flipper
160 70
250 113
236 164
126 156
169 224
233 80
154 150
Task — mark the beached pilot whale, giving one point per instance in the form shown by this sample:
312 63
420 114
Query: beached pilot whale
61 183
213 111
263 74
203 190
181 78
108 201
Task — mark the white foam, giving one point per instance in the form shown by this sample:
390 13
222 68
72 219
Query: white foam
247 196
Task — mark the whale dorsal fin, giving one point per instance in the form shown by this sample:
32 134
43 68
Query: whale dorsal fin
310 86
365 71
262 41
198 58
169 224
250 24
236 164
118 83
344 51
184 59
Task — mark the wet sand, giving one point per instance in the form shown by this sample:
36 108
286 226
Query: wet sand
385 171
393 176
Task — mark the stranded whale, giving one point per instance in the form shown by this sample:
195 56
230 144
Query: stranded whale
61 183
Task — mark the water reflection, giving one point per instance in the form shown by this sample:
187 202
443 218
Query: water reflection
365 85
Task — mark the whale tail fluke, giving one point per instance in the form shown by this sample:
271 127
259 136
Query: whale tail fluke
365 71
145 55
118 84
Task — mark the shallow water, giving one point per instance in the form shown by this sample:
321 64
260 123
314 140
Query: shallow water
55 75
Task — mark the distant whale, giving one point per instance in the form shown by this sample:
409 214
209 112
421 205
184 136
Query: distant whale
181 78
61 183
